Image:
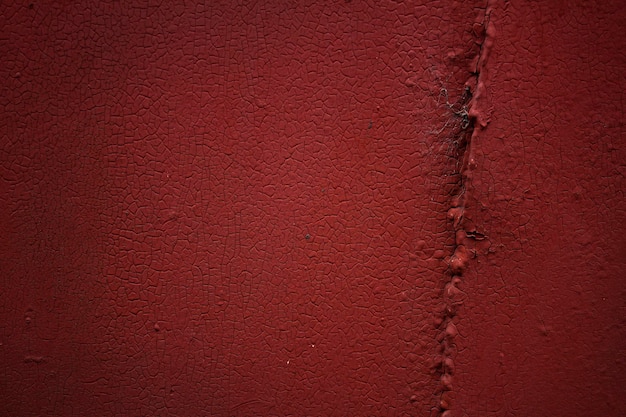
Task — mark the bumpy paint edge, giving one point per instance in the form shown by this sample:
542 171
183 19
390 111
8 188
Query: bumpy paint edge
467 239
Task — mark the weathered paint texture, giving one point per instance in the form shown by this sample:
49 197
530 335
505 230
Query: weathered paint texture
340 209
541 330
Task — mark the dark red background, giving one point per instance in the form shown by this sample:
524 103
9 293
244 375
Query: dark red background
239 209
542 327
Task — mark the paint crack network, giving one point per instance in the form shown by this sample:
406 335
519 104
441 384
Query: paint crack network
468 241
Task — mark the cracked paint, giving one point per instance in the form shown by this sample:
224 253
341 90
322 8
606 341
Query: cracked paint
226 209
343 208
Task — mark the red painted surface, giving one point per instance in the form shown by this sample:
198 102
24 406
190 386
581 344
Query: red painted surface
239 210
226 210
541 331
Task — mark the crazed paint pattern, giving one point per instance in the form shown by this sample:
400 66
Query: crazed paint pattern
230 209
348 208
541 329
